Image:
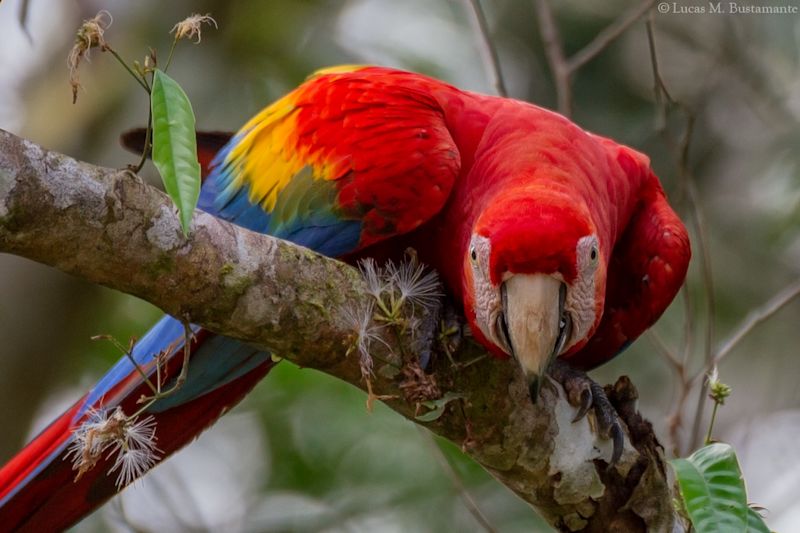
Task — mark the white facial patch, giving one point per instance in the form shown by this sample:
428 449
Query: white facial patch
580 300
488 303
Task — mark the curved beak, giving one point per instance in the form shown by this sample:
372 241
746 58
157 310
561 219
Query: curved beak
538 327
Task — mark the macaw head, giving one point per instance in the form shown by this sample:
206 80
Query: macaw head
534 284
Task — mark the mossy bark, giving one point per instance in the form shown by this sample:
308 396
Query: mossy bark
108 227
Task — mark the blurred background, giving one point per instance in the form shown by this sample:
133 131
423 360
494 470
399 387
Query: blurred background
301 453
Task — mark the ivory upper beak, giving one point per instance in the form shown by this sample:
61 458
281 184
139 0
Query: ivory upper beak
532 307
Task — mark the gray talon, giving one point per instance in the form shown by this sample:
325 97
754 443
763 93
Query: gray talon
586 404
618 437
592 396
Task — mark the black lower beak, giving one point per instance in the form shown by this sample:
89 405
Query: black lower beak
533 389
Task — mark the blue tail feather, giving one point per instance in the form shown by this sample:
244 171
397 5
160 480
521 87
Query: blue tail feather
217 361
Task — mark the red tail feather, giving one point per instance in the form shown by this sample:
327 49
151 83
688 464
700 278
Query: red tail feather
52 500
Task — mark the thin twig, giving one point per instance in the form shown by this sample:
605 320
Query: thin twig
753 319
128 352
659 91
171 52
562 67
455 478
681 152
708 292
187 354
188 337
684 386
688 324
141 81
674 419
701 233
24 12
554 50
663 350
608 35
491 59
148 133
711 424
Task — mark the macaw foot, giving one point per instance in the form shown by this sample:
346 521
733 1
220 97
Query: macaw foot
450 334
426 331
585 394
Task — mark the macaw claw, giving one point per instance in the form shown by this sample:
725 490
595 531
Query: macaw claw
586 404
586 394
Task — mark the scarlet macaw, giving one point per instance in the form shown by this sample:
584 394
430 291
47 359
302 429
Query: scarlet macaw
556 241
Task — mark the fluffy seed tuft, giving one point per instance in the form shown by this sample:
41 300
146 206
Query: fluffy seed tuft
375 278
88 36
131 440
191 26
358 318
415 283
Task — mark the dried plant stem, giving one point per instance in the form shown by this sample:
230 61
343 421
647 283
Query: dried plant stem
128 352
711 424
141 81
147 136
171 52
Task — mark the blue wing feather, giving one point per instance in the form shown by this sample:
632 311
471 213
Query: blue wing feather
219 198
304 214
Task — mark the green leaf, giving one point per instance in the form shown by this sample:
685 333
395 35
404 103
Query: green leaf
756 524
175 145
437 407
713 491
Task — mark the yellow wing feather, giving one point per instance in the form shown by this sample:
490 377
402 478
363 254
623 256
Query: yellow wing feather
279 157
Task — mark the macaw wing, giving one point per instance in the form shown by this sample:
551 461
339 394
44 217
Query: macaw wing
351 157
645 271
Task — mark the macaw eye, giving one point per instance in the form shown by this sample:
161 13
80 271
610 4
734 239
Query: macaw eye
588 253
473 254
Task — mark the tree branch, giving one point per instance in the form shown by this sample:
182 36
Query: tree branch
756 317
563 67
491 58
108 227
554 50
608 35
